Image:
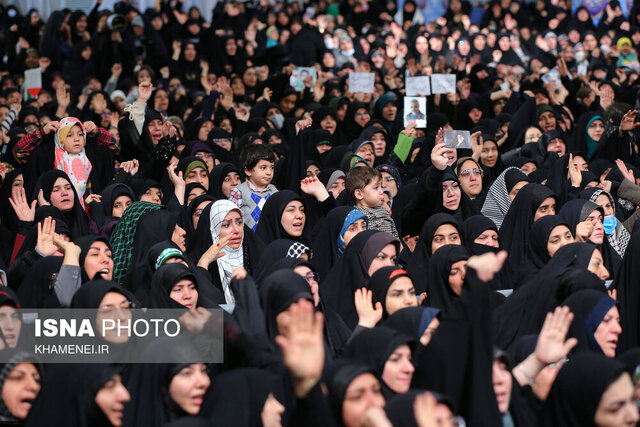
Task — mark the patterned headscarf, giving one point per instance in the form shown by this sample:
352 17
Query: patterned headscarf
122 237
232 258
77 166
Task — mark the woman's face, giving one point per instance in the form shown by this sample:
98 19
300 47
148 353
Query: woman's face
312 170
389 183
532 135
560 236
398 370
198 175
605 203
425 339
446 234
389 111
329 124
337 187
597 234
195 218
400 294
231 180
354 228
421 44
178 237
111 399
187 387
387 257
488 238
293 218
185 293
451 195
363 392
516 189
18 181
62 196
152 195
379 144
114 306
288 103
362 117
195 192
309 276
232 226
596 265
547 207
161 100
457 274
99 259
489 154
607 333
470 178
190 52
250 77
120 204
595 130
203 132
20 389
528 168
10 325
617 405
557 146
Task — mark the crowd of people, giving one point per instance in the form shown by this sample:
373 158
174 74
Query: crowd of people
368 273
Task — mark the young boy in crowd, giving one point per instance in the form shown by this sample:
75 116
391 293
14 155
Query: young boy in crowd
364 186
258 162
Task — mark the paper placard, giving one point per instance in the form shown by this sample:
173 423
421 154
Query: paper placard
361 82
553 76
415 111
418 86
457 139
443 83
33 82
299 74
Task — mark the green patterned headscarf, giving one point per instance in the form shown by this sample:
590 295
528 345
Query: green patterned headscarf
122 237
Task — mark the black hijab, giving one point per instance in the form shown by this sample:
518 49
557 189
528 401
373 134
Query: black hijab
13 357
338 375
524 311
515 229
578 388
270 227
324 239
439 293
84 243
351 272
589 308
109 196
380 283
281 289
419 265
373 347
163 281
8 216
217 176
36 290
76 218
473 227
186 217
412 321
275 251
626 283
75 405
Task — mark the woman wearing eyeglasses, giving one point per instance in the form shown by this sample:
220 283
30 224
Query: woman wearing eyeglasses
470 174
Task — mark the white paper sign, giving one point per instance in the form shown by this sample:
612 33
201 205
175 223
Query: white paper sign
361 82
418 86
415 111
443 83
33 82
299 74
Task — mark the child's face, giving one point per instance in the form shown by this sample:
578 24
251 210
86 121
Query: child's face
261 174
75 140
372 194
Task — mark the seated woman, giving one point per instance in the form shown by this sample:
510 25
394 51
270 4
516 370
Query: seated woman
116 198
174 286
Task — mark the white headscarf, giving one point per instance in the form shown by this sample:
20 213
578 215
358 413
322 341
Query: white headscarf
232 258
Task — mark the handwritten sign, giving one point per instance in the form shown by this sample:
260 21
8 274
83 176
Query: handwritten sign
361 82
443 83
418 86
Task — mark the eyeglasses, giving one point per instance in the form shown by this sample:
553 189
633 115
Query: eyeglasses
358 115
312 276
452 188
205 155
198 212
389 178
467 172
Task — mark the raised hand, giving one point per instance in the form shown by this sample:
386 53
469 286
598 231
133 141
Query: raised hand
20 205
626 173
368 316
62 97
302 345
41 200
314 187
195 319
214 252
487 265
424 410
628 121
144 91
46 230
90 127
476 144
551 345
574 174
303 124
92 198
583 231
438 154
52 126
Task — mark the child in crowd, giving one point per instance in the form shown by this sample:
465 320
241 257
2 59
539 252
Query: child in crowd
258 162
364 186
